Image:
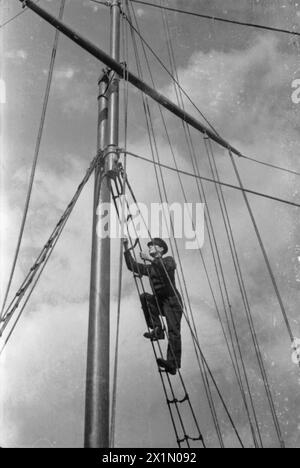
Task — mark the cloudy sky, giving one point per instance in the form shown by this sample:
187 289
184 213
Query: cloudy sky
241 78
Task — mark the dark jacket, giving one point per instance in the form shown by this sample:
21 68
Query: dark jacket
161 273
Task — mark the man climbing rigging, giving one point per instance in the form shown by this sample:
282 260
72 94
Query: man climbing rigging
165 299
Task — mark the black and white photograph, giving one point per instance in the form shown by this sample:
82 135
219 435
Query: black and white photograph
149 226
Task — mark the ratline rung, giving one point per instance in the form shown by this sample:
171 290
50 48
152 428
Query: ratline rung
136 275
188 438
175 400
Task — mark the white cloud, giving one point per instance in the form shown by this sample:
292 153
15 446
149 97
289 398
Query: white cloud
62 78
74 90
17 56
64 74
141 12
237 90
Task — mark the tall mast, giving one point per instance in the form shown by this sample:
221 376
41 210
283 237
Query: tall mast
97 384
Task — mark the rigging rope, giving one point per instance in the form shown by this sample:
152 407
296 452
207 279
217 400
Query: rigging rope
272 166
175 80
264 252
163 166
45 252
186 318
173 67
213 243
178 255
154 148
193 335
15 17
28 297
170 74
233 249
174 400
248 311
254 411
104 3
147 110
208 179
230 309
35 157
217 18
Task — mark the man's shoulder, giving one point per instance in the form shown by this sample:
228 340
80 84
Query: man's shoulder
169 261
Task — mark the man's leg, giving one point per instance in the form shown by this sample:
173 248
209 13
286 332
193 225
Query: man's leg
151 311
173 313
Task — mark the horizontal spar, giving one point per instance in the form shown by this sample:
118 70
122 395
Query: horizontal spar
133 79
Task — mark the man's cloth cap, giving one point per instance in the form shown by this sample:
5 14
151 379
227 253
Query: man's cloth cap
160 243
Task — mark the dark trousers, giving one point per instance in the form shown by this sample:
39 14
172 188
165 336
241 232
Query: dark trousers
170 308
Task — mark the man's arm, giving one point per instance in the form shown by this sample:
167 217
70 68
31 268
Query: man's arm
132 265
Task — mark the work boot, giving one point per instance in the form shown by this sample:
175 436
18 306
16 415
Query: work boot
167 365
155 335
